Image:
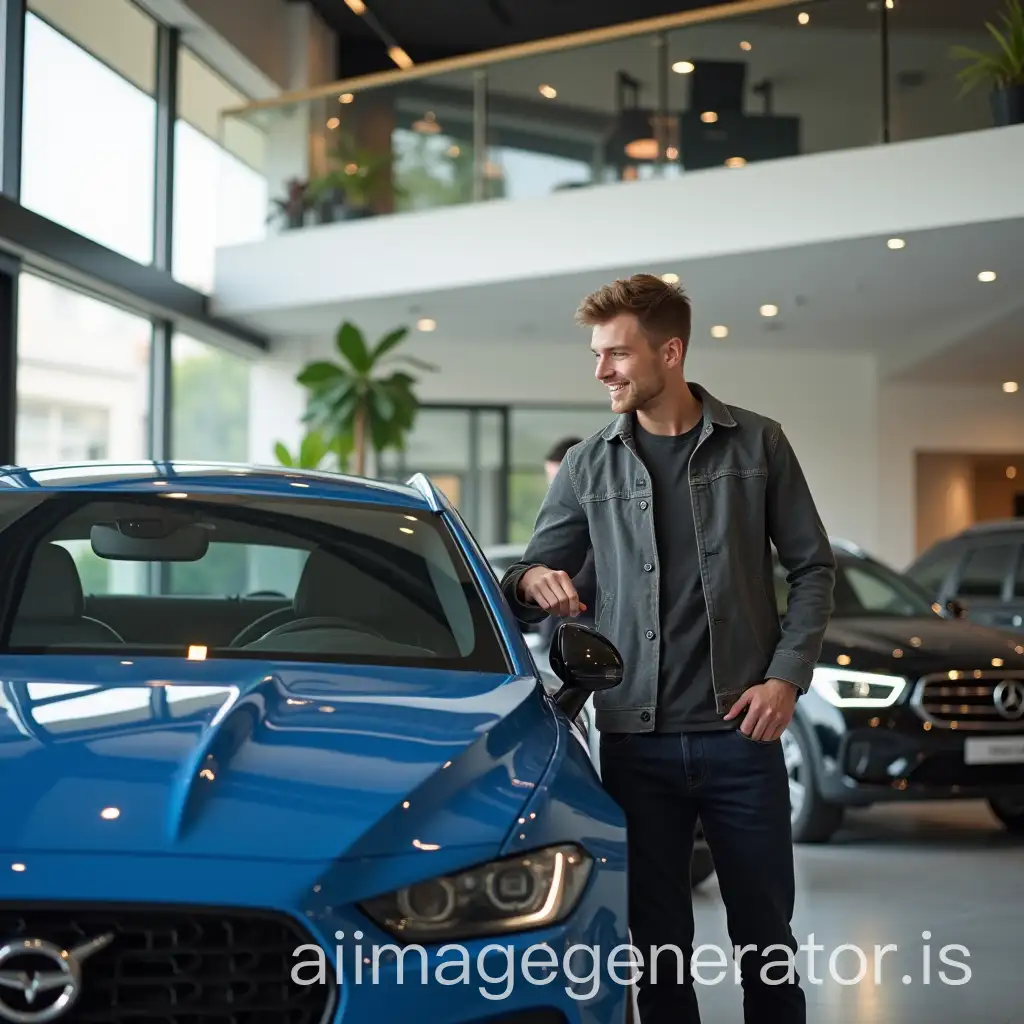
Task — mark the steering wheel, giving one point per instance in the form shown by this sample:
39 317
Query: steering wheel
322 622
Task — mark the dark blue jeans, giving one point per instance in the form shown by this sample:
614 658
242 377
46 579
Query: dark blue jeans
739 790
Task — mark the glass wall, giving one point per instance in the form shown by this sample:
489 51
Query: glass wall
83 377
220 198
89 120
209 402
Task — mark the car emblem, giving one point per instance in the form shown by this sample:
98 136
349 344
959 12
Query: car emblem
40 981
1009 698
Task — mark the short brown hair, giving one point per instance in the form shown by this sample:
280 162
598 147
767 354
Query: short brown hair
662 310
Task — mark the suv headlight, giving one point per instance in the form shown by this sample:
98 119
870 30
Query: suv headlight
509 895
845 688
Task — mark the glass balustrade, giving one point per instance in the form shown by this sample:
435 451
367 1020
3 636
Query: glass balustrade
709 92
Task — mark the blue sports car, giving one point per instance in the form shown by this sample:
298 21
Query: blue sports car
274 751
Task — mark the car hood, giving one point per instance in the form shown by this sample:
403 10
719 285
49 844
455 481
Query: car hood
920 645
262 760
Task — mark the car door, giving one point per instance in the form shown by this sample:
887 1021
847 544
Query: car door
985 580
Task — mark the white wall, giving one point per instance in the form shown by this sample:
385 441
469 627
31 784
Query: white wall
932 418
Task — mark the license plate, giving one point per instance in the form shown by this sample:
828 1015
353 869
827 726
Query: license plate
978 750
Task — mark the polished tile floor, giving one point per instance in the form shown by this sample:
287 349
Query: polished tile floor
892 874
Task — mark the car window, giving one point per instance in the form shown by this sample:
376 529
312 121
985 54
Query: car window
985 570
932 570
362 584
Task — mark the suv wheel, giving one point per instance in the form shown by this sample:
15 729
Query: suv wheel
1010 811
814 819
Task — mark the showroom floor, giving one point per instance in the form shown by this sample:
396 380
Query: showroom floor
892 874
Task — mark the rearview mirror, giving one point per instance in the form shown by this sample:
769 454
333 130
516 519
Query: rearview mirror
586 662
149 540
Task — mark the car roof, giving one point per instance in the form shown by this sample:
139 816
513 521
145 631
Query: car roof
994 526
221 478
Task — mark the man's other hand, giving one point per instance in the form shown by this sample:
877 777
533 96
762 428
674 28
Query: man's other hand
551 590
769 707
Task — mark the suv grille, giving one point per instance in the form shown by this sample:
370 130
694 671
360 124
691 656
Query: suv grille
989 700
169 966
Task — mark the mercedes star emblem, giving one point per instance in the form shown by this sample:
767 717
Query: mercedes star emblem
40 981
1009 698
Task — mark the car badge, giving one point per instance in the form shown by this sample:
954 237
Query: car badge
31 993
1009 699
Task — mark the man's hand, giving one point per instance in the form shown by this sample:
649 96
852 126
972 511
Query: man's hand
551 590
769 707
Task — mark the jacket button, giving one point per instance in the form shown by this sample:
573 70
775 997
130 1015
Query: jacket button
649 634
643 505
645 716
648 567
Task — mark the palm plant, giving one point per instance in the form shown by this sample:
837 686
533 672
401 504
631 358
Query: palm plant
1003 68
363 398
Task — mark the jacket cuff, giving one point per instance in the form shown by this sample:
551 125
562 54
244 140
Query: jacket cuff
791 668
526 613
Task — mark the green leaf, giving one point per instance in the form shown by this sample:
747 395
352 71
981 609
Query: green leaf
351 344
282 455
319 373
388 342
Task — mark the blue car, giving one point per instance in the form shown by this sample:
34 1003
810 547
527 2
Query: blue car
274 751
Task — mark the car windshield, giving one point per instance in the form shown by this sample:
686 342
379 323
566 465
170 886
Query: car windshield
867 589
239 576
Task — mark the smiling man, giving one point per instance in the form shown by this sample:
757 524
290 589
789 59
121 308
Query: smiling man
681 499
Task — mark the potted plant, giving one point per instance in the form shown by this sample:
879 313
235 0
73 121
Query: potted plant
355 178
364 399
1003 69
293 207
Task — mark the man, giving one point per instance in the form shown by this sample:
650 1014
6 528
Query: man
585 581
680 499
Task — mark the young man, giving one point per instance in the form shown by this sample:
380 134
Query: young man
680 499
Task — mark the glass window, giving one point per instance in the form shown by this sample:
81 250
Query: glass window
932 570
89 145
985 570
220 198
374 585
209 403
83 377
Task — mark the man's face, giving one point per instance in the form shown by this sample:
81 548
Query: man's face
633 370
551 471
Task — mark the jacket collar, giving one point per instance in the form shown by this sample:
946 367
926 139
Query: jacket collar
715 413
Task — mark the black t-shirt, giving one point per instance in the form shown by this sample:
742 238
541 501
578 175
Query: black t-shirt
686 700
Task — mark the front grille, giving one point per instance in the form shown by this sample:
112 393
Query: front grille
988 700
170 966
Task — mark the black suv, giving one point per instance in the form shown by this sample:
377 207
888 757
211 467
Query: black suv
979 572
908 702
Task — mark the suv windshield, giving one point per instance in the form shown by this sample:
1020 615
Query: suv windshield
238 577
867 589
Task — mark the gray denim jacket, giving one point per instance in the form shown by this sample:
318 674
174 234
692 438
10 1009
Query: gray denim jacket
748 493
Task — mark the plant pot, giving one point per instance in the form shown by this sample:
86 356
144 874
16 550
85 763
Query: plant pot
1008 105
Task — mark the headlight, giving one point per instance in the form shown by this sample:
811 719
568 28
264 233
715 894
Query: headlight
848 689
510 895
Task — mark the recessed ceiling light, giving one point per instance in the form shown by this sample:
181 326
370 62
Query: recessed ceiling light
987 275
719 331
769 310
803 17
896 243
736 161
1011 472
709 117
549 92
670 278
400 57
683 67
356 6
1010 386
426 324
745 45
346 97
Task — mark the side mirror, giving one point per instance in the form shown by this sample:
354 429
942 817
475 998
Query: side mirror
586 662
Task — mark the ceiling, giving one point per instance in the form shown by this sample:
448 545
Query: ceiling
921 309
438 29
